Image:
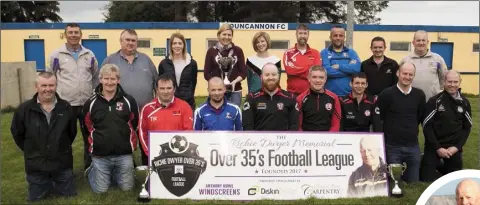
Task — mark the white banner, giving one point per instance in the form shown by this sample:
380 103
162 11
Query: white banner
266 165
257 26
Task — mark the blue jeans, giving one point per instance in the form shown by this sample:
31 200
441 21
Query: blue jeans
41 183
234 97
409 155
118 169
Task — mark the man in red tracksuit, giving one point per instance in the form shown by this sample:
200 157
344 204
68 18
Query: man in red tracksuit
320 109
298 60
165 112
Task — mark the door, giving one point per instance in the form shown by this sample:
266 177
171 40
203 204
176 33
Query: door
35 51
98 47
445 50
189 47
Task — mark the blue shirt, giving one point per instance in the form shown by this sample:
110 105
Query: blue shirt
227 117
75 52
338 80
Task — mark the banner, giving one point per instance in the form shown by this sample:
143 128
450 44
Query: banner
257 26
266 165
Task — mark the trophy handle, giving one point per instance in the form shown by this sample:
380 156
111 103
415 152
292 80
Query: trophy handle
404 167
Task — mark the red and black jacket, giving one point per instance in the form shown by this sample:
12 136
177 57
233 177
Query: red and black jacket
358 116
270 113
112 125
319 111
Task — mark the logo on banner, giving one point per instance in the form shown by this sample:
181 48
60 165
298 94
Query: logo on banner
258 190
179 165
324 191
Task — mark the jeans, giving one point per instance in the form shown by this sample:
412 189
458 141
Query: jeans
409 155
234 97
108 169
41 183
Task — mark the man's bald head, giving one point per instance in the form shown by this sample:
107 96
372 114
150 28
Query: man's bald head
420 33
407 65
215 81
468 192
453 73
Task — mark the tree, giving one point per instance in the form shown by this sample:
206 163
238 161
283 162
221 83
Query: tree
244 11
30 11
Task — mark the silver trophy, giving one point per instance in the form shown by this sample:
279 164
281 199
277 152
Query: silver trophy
144 196
225 69
396 171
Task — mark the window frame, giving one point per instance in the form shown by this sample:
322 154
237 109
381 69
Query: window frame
404 42
477 50
145 39
288 44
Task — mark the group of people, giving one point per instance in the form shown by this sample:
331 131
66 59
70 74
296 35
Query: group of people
332 90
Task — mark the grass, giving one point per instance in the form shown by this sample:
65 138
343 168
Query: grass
14 186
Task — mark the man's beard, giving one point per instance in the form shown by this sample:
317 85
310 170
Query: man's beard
217 100
271 87
302 41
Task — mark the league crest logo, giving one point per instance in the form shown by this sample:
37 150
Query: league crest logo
328 106
280 106
460 109
179 165
119 106
367 113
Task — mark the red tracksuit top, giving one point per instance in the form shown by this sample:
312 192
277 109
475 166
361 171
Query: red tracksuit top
297 66
178 115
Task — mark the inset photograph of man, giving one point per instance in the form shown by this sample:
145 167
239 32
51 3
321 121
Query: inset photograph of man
459 190
370 179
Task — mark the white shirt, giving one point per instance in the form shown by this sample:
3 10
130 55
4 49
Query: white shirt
406 93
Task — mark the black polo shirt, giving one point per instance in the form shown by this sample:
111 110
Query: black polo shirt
380 76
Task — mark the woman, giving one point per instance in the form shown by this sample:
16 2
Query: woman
225 60
261 43
179 64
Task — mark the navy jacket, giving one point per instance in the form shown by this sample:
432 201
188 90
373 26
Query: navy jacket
227 117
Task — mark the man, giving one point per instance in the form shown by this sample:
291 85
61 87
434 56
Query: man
430 66
111 117
340 62
370 179
468 192
446 128
401 111
139 74
137 70
44 128
270 108
298 60
381 71
165 112
217 113
319 108
76 69
359 110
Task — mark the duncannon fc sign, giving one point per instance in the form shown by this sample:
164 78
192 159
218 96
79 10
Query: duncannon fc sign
266 165
258 26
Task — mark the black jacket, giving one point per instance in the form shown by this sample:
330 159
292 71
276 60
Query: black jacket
447 122
112 124
270 113
363 182
46 147
382 77
319 111
357 117
185 90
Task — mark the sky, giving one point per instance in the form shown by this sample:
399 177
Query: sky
440 13
449 188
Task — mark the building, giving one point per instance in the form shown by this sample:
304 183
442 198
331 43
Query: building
459 45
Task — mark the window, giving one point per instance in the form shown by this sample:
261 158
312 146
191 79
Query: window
280 44
211 43
327 44
400 46
475 47
143 43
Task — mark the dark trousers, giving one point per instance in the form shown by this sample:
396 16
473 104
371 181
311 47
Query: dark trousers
409 155
87 159
431 164
40 184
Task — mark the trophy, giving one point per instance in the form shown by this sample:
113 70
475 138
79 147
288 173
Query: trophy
226 67
144 196
396 171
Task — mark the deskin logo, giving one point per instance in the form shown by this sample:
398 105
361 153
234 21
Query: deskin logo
179 165
256 189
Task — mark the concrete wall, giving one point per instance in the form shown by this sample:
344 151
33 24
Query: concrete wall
18 83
